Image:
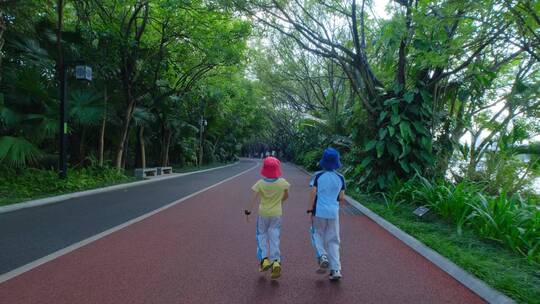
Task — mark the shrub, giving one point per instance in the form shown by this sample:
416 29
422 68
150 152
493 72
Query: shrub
19 185
310 160
511 221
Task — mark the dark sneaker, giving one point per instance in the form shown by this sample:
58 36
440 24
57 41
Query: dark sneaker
335 275
323 264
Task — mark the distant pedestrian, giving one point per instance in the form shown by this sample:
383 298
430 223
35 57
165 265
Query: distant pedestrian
272 190
327 192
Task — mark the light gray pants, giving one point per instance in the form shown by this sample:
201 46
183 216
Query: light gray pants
325 239
268 230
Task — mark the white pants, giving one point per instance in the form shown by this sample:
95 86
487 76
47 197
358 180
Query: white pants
268 230
325 239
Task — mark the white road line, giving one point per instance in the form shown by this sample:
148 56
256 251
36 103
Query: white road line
20 270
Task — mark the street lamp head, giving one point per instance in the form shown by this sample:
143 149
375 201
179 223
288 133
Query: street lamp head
83 72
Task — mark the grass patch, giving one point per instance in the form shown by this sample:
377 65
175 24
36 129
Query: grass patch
23 185
496 265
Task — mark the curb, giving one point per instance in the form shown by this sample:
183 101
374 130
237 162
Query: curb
468 280
63 197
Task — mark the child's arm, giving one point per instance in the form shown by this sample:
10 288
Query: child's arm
285 195
312 199
251 204
342 197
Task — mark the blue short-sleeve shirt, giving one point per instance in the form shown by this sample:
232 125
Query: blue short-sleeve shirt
329 184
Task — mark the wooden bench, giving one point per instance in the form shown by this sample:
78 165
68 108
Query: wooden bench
145 172
164 170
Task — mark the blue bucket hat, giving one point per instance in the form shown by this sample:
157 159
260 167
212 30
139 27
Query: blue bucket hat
330 159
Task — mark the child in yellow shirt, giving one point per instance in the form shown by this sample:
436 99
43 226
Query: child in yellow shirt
272 190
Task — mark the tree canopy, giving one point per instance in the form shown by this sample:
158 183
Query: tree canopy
435 88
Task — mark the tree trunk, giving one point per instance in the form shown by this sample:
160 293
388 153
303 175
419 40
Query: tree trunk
443 161
165 144
162 143
471 167
142 150
201 151
125 133
102 130
2 29
201 146
128 68
126 150
168 148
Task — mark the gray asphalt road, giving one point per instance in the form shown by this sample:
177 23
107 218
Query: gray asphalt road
29 234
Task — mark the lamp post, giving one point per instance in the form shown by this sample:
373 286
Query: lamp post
202 123
82 72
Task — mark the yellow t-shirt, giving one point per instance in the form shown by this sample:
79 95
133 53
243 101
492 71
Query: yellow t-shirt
271 193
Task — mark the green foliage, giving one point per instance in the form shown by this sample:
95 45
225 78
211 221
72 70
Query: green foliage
511 221
85 107
18 185
403 146
153 80
421 80
310 160
18 152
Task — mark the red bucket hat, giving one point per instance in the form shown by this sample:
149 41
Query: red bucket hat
271 167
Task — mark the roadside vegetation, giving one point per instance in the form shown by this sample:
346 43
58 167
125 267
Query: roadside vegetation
19 186
168 89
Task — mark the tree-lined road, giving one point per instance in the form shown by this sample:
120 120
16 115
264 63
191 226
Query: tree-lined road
203 251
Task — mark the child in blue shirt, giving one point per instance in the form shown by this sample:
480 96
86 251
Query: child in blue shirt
327 191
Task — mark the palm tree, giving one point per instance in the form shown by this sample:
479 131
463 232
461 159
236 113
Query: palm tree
86 112
27 118
142 119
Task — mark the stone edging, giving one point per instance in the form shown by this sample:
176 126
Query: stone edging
63 197
478 286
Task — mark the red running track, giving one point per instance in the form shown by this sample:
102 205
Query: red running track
203 251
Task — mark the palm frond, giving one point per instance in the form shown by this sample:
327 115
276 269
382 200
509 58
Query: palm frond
142 116
9 118
85 107
31 49
18 152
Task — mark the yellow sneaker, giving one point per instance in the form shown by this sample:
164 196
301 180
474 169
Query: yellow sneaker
265 265
276 270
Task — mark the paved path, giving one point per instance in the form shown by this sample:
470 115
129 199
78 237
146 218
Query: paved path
29 234
203 251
